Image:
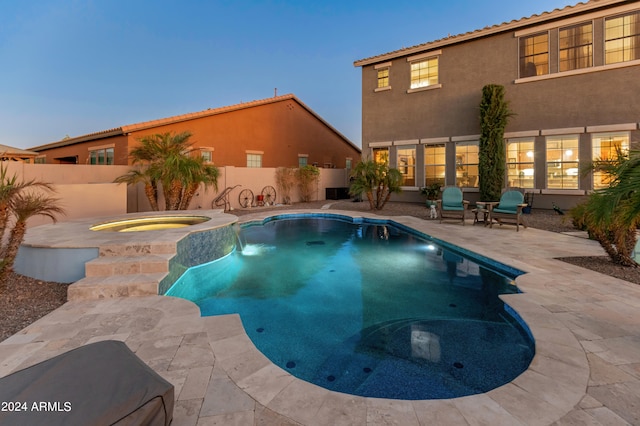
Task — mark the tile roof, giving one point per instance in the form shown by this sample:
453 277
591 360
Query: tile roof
9 150
123 130
494 29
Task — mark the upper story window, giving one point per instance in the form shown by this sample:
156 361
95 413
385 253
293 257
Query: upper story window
407 165
383 78
606 147
424 72
520 159
575 47
467 164
622 38
562 162
101 156
435 163
254 160
382 74
534 55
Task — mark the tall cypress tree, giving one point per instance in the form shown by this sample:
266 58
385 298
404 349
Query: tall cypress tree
494 115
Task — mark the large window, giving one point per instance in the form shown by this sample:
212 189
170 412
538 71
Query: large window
407 165
101 156
576 47
381 155
534 55
434 164
520 163
424 73
467 164
562 162
254 160
622 38
606 146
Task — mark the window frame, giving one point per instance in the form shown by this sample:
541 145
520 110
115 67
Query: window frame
103 155
383 78
422 58
575 48
380 68
523 64
254 160
408 169
435 146
378 152
624 38
624 147
517 166
463 167
561 164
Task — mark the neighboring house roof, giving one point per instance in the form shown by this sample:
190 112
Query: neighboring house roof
11 152
491 30
123 130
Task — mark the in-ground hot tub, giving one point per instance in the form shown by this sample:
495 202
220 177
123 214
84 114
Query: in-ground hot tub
58 252
153 223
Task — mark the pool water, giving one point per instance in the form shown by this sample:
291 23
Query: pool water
367 309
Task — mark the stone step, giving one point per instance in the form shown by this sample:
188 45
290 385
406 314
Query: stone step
115 286
135 249
105 266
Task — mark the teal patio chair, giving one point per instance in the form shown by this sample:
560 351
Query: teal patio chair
509 210
452 205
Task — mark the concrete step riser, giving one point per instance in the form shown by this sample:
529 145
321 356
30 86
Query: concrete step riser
91 292
103 268
137 250
115 286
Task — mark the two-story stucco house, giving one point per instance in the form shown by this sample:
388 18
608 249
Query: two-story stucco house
571 77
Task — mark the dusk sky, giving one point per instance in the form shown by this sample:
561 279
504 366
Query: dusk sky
72 67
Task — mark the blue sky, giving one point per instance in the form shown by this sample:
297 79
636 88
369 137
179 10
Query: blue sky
72 67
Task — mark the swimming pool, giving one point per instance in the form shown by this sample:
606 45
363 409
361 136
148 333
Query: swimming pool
368 308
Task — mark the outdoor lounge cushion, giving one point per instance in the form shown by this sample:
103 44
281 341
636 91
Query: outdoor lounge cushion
509 202
102 383
452 199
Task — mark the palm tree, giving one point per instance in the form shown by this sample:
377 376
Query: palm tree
9 187
136 176
377 180
612 215
166 162
196 172
23 207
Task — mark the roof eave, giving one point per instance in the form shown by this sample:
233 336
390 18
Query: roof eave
84 138
488 31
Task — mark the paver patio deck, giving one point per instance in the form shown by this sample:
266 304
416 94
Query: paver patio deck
586 370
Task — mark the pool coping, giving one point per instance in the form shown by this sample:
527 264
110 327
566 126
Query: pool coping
554 386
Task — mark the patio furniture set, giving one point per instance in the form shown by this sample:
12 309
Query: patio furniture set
509 209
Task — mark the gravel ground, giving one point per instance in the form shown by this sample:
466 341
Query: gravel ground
24 300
